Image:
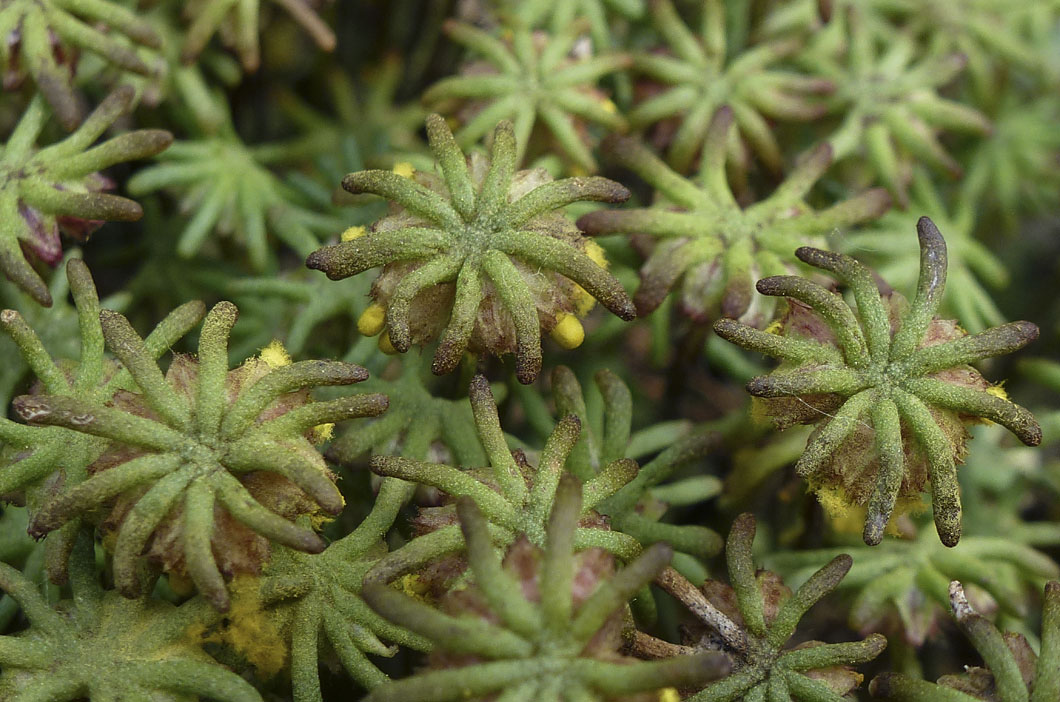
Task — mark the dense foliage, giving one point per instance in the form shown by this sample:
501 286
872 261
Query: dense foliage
698 350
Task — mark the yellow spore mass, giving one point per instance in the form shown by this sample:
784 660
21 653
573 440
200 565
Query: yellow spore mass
323 432
568 332
249 631
669 694
372 320
385 346
583 301
404 169
275 355
353 233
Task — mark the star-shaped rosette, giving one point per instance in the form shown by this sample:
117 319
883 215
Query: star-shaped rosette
60 187
205 466
755 616
701 75
889 98
709 249
99 646
482 256
38 461
515 496
888 386
529 79
544 623
43 38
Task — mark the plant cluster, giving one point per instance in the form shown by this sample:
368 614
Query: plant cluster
308 395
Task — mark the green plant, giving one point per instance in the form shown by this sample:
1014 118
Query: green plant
1014 672
893 363
556 635
193 440
233 193
514 496
239 20
710 246
529 508
74 651
528 79
756 615
41 36
889 100
519 266
60 187
702 74
39 460
966 299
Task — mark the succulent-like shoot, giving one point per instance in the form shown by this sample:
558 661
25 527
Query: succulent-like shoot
312 299
58 326
100 646
206 466
606 441
887 243
901 586
189 90
220 180
1013 672
598 13
891 105
889 387
18 550
35 462
1014 172
529 79
709 247
543 624
237 21
515 497
701 77
60 187
755 616
417 424
365 123
317 597
990 34
480 255
605 22
42 38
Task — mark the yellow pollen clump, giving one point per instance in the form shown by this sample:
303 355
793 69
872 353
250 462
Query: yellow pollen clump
774 327
404 169
844 516
997 391
249 630
849 518
320 518
568 332
583 301
353 233
275 355
385 346
323 432
372 320
609 106
596 253
413 586
669 694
